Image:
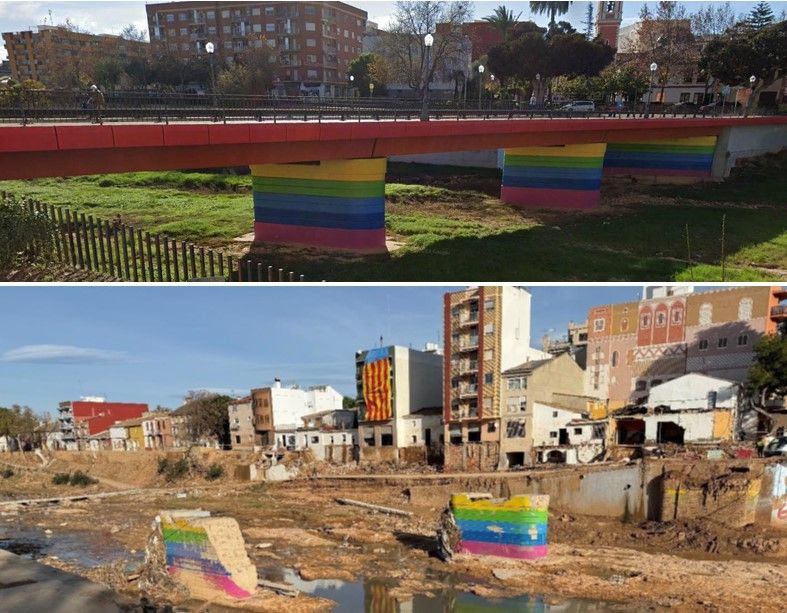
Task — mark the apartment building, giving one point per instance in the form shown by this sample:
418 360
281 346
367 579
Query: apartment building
399 403
312 43
637 345
241 418
157 430
281 409
81 419
43 54
487 331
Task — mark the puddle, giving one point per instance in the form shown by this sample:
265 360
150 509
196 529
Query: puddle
82 549
374 594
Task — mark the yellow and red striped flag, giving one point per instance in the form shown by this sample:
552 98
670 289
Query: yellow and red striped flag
377 384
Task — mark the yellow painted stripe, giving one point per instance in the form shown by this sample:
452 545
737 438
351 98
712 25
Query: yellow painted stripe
693 141
334 170
592 150
520 502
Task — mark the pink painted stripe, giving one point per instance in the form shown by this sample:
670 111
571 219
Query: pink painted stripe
228 586
657 172
328 238
540 198
521 552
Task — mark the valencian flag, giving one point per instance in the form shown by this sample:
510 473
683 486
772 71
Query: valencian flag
377 384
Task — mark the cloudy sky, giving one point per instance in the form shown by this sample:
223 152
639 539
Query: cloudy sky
153 344
110 17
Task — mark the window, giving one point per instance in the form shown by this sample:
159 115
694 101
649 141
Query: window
614 359
311 59
225 14
311 74
553 434
554 413
523 403
257 27
706 314
661 319
211 29
489 304
237 439
474 434
703 344
270 27
368 439
598 325
577 430
644 321
170 18
624 324
641 386
210 15
744 309
743 340
722 342
414 439
677 315
455 436
310 27
488 378
386 439
309 10
685 96
269 10
225 29
489 328
311 42
514 384
315 439
491 426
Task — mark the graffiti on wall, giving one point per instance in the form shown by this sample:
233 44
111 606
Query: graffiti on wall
377 384
511 528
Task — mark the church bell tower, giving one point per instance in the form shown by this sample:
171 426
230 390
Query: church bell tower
609 15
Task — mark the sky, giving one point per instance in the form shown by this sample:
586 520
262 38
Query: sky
153 344
110 17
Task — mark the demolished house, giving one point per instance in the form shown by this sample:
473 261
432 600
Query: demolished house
694 408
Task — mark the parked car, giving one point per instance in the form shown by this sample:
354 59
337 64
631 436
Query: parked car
686 107
777 447
579 106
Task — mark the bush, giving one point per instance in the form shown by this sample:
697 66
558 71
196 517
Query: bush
81 479
214 472
61 479
20 229
7 472
173 470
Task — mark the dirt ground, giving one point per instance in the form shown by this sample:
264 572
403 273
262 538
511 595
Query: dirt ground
298 525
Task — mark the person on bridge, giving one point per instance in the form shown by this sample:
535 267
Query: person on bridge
96 102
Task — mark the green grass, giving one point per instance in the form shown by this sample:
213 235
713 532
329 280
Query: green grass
452 229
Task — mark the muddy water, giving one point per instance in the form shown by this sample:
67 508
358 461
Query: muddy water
374 594
79 548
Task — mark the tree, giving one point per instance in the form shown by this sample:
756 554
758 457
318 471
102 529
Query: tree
130 32
250 73
627 80
207 416
742 53
369 68
403 45
19 423
348 402
665 37
760 16
708 24
553 9
768 377
503 20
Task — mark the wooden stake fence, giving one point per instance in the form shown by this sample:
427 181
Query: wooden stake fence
125 253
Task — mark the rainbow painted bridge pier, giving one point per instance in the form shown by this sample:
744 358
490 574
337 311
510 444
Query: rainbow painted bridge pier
510 528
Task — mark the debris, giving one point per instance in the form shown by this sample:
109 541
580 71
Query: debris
56 499
506 573
263 545
279 588
373 507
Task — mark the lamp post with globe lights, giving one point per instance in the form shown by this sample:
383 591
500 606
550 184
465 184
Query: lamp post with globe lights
428 42
480 83
653 68
210 48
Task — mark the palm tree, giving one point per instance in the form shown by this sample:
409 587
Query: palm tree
553 9
503 19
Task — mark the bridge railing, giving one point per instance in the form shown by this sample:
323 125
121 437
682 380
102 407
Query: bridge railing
121 252
39 106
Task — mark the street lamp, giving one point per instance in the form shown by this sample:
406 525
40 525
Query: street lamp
371 89
752 81
428 42
350 92
491 93
537 93
653 68
210 48
480 83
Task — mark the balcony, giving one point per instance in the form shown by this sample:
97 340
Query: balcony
468 319
779 313
469 344
468 391
467 367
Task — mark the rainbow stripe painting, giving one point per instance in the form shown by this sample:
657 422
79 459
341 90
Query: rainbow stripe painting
510 528
682 157
331 205
208 556
567 177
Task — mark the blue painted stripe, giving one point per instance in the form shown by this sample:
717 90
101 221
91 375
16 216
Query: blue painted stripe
286 216
508 527
503 538
539 183
634 159
552 173
328 204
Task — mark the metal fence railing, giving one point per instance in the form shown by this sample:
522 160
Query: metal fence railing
40 106
124 253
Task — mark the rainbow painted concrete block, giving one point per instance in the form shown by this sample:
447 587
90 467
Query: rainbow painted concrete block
566 177
511 528
331 205
207 555
683 157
